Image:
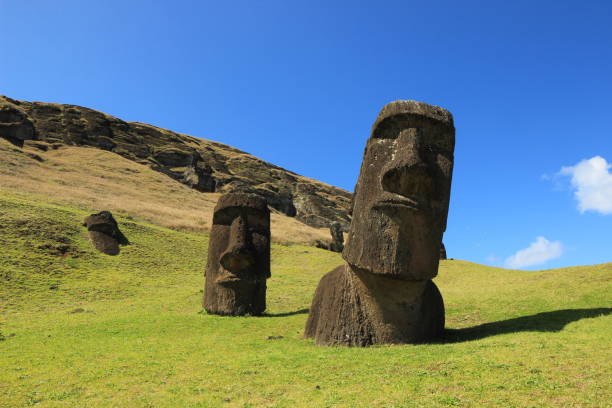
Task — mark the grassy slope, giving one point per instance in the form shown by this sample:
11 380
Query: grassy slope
94 179
517 339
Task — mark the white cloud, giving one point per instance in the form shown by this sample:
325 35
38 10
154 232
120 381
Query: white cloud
539 252
592 182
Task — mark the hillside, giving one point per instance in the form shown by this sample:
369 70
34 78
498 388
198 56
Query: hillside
93 180
78 328
203 165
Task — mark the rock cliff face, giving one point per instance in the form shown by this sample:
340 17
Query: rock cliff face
204 165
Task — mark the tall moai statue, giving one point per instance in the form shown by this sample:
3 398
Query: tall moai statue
238 256
384 293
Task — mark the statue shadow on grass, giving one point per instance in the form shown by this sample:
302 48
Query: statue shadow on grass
285 314
553 321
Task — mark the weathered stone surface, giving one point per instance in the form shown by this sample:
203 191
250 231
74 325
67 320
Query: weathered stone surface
15 126
357 308
442 251
104 232
204 165
238 256
337 243
384 294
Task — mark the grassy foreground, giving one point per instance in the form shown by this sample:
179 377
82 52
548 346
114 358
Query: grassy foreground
82 329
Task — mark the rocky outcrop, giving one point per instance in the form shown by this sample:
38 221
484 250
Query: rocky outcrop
204 165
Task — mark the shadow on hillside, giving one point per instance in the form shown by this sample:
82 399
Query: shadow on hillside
542 322
297 312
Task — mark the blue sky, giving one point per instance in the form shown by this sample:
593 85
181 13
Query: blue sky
299 84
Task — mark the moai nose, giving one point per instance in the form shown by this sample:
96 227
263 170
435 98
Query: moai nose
239 255
407 174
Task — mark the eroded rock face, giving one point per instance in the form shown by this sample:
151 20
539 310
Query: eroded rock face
238 256
15 126
104 233
384 294
201 164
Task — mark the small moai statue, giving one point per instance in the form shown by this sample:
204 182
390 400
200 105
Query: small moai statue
384 292
104 232
238 256
337 243
442 251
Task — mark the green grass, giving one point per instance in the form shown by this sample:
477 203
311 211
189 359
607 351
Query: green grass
82 329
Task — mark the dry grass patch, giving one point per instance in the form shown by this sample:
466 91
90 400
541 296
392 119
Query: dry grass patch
94 179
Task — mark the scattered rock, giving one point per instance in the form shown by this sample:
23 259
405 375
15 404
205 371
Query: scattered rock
274 337
35 157
36 145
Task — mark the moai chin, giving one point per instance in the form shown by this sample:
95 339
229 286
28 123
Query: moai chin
238 256
384 292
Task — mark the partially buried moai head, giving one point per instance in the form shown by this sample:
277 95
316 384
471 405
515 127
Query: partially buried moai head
402 195
104 232
238 256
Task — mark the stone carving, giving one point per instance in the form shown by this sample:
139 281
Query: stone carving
442 251
238 256
337 244
104 232
384 292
